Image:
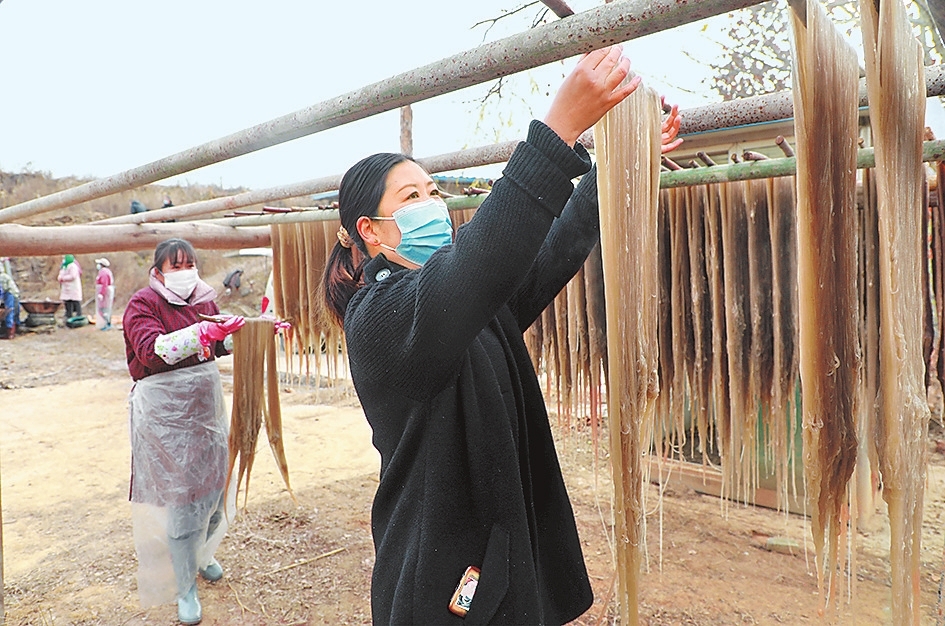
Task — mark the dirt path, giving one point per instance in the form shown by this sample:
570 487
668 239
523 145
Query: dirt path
69 557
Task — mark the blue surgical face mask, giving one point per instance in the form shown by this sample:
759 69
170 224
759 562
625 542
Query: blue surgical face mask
425 227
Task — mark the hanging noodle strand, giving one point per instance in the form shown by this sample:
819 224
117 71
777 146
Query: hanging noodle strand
896 86
628 149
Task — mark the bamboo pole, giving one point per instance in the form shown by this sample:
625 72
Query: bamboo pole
406 130
559 7
19 240
773 168
595 28
774 106
459 203
231 233
229 203
757 109
3 612
495 153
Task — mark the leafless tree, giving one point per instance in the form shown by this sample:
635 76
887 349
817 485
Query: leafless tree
755 51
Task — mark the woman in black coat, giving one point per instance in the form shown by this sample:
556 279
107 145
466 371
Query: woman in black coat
471 520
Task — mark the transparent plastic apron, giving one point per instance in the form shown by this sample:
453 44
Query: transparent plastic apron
179 456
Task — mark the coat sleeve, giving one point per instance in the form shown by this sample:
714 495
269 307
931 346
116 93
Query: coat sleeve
412 332
142 325
569 242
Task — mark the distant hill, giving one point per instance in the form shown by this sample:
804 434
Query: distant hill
36 276
17 188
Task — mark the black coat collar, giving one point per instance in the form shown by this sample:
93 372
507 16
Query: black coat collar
380 268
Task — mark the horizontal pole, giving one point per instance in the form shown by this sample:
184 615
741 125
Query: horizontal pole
253 231
601 26
753 110
774 106
769 168
228 203
458 203
773 168
495 153
19 240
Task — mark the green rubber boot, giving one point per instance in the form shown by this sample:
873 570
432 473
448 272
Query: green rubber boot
212 572
188 607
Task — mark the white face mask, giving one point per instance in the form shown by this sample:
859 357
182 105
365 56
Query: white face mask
181 282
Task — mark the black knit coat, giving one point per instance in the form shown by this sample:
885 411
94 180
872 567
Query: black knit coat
469 474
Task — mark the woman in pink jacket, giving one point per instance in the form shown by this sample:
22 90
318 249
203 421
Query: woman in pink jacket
104 292
70 286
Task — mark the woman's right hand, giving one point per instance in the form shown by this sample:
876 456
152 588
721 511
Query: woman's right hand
217 331
592 89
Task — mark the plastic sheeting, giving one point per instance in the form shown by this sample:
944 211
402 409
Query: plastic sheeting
179 452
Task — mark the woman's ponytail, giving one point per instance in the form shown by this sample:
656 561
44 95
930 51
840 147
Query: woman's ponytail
342 278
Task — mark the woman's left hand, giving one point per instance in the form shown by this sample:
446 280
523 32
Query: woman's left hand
670 128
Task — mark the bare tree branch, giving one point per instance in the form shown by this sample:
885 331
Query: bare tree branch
539 18
495 20
495 89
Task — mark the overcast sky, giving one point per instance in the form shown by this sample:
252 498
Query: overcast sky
97 87
93 88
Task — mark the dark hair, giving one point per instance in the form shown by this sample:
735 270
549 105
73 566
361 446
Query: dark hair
173 249
359 194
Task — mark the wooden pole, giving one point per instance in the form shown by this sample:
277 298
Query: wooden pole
459 203
406 130
757 109
773 168
229 203
775 106
16 240
250 231
19 240
589 30
559 7
3 611
484 155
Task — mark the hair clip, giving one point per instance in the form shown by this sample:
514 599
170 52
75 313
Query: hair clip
344 238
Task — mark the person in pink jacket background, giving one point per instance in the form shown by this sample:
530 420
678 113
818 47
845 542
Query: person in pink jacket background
70 286
104 292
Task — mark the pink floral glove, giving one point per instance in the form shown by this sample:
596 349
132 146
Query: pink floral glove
208 332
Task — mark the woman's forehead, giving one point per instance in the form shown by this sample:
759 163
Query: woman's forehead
180 258
407 174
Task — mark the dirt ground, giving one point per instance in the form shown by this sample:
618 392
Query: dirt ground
68 556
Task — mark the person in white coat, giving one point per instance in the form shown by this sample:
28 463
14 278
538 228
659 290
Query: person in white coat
70 286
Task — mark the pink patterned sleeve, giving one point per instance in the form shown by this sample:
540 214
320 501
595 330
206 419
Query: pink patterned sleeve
176 346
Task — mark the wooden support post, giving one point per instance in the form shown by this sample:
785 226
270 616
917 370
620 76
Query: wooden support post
406 130
19 240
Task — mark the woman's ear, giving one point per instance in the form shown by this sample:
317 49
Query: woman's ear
365 227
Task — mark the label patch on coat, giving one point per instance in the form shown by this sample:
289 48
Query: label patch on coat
465 590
